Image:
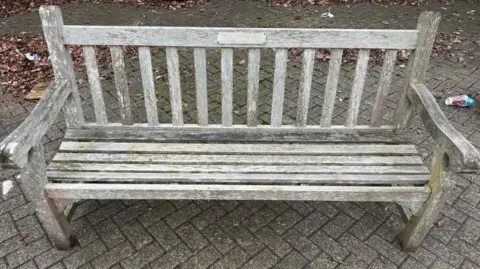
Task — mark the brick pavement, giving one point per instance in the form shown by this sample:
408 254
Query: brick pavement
250 234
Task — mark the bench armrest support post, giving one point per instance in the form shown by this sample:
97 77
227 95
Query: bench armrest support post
417 65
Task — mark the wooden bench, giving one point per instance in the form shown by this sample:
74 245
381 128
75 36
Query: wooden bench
154 160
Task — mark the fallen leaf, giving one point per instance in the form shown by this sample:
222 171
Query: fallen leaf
242 62
37 91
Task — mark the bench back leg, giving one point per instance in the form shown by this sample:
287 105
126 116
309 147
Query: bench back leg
53 220
441 184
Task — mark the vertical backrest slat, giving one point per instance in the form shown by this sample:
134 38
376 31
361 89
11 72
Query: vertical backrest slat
253 86
95 86
280 73
145 58
174 83
308 62
52 24
201 85
383 87
227 85
357 88
331 87
121 84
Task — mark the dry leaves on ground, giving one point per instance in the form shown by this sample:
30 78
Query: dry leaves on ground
288 3
10 7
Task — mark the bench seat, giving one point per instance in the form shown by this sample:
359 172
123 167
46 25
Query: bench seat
233 166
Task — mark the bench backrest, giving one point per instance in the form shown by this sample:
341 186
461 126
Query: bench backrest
59 35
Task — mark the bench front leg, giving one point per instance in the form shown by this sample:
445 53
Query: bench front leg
441 183
34 178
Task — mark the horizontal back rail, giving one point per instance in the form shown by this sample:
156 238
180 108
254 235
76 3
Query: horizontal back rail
239 37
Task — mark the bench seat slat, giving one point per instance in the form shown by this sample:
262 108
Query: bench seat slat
236 178
254 149
236 159
237 192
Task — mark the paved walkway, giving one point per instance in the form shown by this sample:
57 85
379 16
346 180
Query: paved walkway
252 234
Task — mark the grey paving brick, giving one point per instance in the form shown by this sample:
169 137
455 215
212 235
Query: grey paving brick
51 257
7 227
301 244
439 264
449 255
322 261
155 214
143 256
29 229
192 237
232 259
28 265
329 245
209 216
11 204
338 225
136 234
273 241
466 249
471 194
181 216
164 235
391 228
292 260
203 259
311 223
246 240
411 263
109 233
365 226
357 247
351 209
85 207
259 219
303 208
172 258
29 252
234 217
444 229
326 208
219 238
382 263
285 221
470 231
352 262
467 208
130 213
104 212
386 249
264 259
113 256
424 256
85 255
10 245
466 265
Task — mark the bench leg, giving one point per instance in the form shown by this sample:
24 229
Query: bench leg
34 178
441 184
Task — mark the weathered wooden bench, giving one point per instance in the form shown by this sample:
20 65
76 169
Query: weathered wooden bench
153 160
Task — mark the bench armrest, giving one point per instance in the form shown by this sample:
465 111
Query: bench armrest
462 154
14 149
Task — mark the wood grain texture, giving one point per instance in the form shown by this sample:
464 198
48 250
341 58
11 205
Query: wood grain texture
236 133
59 55
17 144
281 57
417 65
227 86
121 84
238 148
235 192
441 184
174 83
331 87
236 178
208 37
357 88
253 86
383 87
308 61
95 86
463 155
201 85
146 71
54 222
